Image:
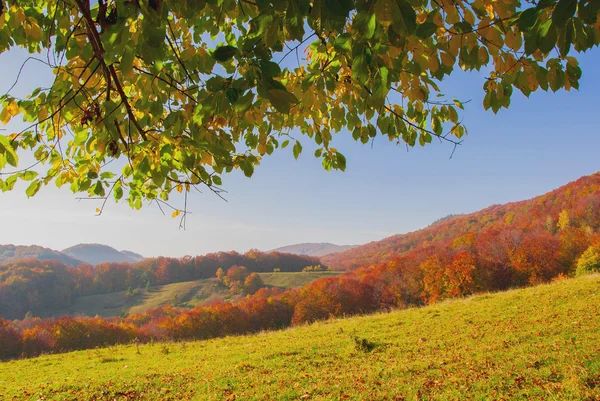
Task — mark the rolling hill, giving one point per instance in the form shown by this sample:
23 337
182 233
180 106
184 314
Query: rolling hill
12 253
313 248
95 254
538 343
186 294
578 202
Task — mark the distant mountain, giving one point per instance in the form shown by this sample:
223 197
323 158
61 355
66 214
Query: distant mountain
314 249
12 253
136 257
96 253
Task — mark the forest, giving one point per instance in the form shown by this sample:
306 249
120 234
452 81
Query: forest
547 238
31 285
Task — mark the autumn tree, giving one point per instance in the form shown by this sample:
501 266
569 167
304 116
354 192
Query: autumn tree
10 341
589 262
253 283
186 91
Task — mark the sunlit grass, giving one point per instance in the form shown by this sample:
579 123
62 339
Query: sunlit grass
539 343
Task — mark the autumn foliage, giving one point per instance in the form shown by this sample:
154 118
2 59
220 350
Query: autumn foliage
30 285
506 246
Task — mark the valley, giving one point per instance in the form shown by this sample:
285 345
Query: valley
538 343
187 294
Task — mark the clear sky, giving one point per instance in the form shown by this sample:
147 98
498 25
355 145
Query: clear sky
538 145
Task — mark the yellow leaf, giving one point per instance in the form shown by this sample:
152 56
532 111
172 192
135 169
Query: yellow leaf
207 158
13 108
452 16
469 17
188 53
482 55
176 213
494 36
20 16
433 64
35 32
262 149
5 116
43 114
513 40
447 60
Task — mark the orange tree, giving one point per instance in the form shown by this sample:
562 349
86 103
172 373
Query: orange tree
184 91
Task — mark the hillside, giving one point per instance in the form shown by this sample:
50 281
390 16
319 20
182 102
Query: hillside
187 294
41 287
95 254
313 249
538 343
12 253
578 201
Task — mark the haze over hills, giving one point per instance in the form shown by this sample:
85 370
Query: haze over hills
313 248
12 253
96 253
74 256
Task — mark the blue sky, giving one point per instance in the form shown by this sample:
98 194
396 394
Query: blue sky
538 145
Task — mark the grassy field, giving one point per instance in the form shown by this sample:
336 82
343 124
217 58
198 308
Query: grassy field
186 295
540 343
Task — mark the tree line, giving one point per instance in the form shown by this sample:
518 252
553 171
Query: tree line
31 285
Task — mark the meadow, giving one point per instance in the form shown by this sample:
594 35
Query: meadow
538 343
188 294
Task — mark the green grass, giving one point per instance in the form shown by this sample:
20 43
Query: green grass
186 295
293 280
538 343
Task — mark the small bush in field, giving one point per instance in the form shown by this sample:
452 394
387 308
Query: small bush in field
589 261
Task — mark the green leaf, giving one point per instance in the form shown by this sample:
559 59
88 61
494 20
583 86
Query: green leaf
527 19
232 94
565 39
217 180
458 104
281 99
365 25
99 189
341 161
270 69
118 193
380 83
127 61
564 10
404 18
297 150
29 175
33 188
360 69
243 103
426 29
340 8
546 36
8 151
462 27
224 53
343 42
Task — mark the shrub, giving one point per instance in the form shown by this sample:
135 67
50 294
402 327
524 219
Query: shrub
589 261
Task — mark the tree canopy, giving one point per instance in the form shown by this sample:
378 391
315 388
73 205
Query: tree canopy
185 91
